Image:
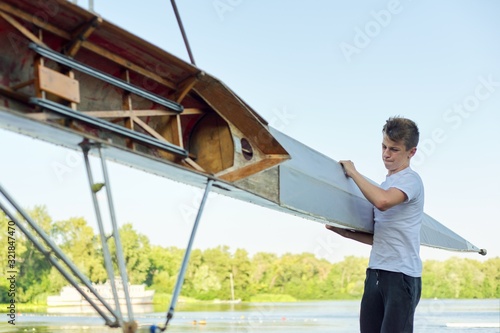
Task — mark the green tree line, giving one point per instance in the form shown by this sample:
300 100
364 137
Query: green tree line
297 276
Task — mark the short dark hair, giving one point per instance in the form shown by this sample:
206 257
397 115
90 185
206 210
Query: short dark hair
402 129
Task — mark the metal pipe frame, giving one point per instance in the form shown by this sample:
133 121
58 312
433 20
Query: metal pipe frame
187 254
69 62
117 129
53 255
183 32
105 248
119 248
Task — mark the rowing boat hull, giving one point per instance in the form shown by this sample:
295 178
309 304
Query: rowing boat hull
75 76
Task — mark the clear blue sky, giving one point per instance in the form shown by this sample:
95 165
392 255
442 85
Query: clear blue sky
329 74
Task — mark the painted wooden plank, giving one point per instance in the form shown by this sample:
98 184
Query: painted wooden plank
58 84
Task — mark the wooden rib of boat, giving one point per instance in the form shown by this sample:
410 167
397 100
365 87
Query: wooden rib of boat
67 75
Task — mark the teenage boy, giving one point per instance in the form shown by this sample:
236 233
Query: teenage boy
393 278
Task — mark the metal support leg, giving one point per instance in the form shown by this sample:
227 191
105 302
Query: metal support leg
119 249
185 260
86 146
55 256
105 249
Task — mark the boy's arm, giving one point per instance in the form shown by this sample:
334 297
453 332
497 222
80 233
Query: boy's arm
380 198
361 237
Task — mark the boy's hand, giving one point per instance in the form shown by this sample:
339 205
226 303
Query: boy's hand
349 168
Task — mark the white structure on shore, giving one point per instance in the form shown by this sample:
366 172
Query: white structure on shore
69 296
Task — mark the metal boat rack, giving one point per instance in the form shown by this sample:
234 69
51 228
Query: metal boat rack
112 316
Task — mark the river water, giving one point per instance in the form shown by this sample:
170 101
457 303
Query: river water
329 316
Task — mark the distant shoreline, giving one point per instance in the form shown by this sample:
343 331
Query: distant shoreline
28 307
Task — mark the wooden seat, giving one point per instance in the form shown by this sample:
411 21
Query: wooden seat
60 85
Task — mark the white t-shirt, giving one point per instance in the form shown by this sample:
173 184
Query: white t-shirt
396 238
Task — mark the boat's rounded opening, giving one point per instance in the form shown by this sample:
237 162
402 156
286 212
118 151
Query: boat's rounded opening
246 149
